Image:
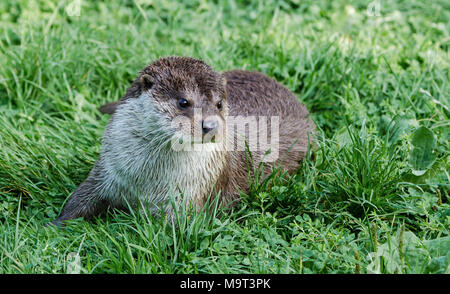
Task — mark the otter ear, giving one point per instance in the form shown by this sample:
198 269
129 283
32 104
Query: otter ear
147 81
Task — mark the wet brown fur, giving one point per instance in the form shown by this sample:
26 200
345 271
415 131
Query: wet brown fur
249 94
244 93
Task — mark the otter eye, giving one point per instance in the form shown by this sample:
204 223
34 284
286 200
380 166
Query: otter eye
183 103
219 105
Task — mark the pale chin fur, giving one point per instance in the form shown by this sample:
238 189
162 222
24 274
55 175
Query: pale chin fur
140 166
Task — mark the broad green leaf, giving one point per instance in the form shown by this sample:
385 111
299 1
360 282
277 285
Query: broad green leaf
422 156
419 256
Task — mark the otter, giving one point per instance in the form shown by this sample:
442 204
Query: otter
169 136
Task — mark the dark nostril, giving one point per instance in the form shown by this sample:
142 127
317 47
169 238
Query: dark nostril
207 126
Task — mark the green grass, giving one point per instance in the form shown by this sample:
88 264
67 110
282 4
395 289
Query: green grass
374 200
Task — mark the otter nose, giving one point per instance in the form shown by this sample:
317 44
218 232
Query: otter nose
208 126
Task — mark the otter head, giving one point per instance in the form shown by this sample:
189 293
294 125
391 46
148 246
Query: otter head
189 94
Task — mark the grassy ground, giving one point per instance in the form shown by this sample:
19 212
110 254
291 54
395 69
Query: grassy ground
375 200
